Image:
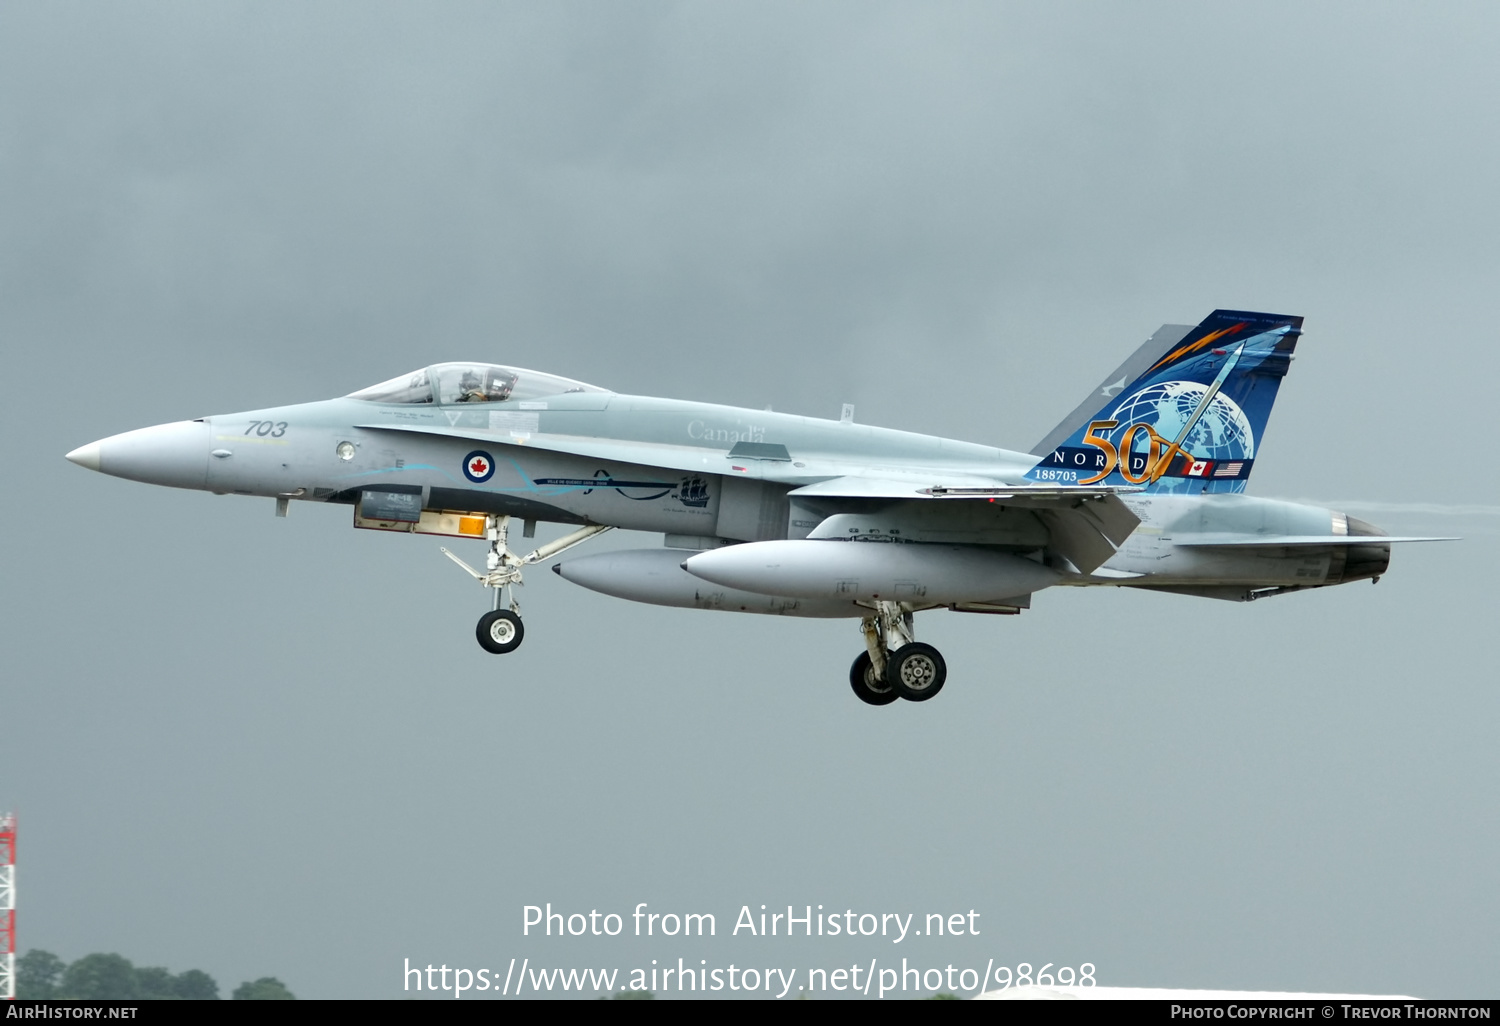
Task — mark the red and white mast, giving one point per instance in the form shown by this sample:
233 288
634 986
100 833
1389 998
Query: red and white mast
7 906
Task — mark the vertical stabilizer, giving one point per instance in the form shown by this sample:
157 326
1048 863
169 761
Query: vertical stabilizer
1184 414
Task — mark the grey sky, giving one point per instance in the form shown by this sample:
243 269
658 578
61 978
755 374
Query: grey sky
266 747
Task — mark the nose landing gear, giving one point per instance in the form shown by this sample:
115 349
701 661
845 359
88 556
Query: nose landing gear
894 665
500 630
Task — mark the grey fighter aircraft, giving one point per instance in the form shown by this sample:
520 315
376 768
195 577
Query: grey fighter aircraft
1142 486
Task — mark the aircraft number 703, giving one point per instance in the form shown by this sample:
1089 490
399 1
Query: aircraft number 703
262 428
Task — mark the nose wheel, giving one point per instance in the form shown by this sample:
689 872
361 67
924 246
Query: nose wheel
500 630
894 665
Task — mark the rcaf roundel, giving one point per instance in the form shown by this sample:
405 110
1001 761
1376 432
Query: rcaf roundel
479 466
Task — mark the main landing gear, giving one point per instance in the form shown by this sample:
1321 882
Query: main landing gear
500 630
893 665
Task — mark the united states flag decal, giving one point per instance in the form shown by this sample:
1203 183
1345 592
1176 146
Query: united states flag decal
1229 469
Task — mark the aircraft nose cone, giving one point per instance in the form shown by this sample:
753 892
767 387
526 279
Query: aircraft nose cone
167 454
86 456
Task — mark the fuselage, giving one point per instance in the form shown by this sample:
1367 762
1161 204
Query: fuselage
700 474
772 513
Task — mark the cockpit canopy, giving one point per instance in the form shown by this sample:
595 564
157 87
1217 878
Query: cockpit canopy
448 383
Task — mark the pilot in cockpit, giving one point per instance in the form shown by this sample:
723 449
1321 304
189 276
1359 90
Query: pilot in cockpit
472 388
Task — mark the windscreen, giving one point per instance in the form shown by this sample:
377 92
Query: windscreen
408 388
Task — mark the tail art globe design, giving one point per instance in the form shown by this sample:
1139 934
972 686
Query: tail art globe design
1222 433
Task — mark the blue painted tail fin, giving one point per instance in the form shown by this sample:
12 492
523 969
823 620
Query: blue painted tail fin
1184 414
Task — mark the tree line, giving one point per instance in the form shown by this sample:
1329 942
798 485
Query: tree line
41 975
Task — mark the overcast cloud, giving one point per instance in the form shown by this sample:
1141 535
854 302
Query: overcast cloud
271 747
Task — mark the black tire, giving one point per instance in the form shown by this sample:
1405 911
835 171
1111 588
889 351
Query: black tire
870 688
500 631
916 671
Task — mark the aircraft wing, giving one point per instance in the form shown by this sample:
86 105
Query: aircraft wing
1085 524
652 454
1239 541
813 476
1088 533
917 486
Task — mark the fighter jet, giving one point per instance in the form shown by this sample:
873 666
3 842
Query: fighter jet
1142 486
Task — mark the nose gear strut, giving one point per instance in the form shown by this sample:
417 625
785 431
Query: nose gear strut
500 630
